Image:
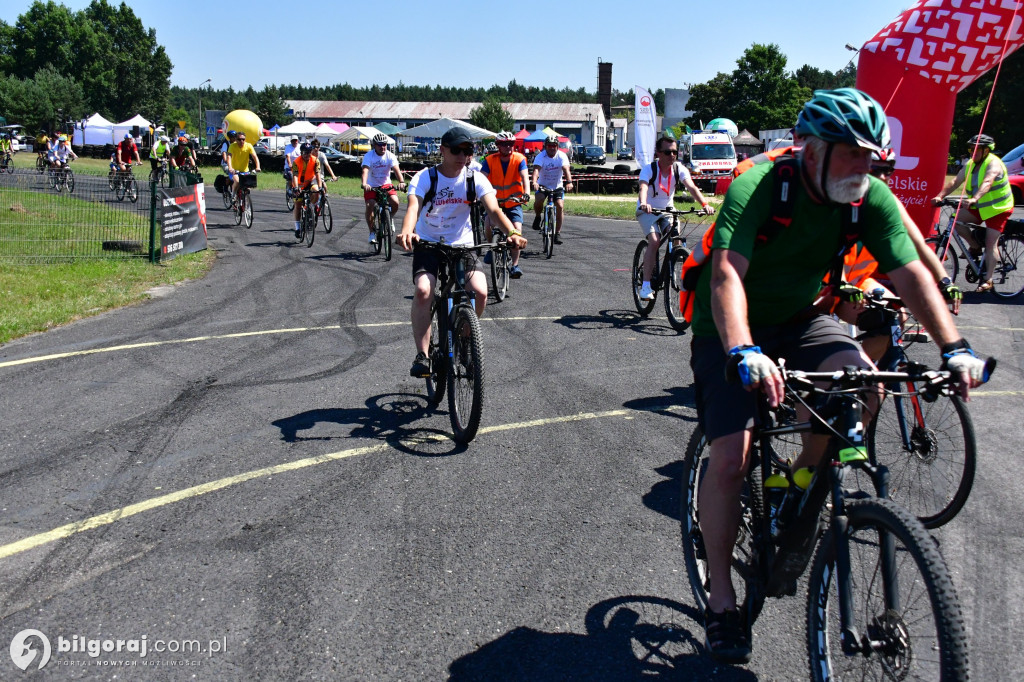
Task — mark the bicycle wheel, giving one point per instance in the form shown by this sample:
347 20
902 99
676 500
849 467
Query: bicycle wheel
132 190
310 223
289 200
112 182
325 215
226 197
387 235
162 178
120 189
378 243
58 178
51 178
549 231
951 263
40 164
904 606
466 375
637 279
437 380
69 180
239 208
931 454
499 272
695 464
673 285
1007 277
247 209
154 176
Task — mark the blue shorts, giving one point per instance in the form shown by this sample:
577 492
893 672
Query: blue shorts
514 214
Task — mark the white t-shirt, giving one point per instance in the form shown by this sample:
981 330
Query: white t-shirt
474 165
666 185
380 167
551 168
290 157
448 217
61 152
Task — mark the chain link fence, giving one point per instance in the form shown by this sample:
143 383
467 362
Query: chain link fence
48 217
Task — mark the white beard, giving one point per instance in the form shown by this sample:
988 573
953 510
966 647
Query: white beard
845 190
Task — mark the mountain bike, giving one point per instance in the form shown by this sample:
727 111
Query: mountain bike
456 346
667 270
243 202
124 184
307 217
548 220
880 602
1008 273
6 163
501 255
41 164
928 445
62 177
159 174
383 221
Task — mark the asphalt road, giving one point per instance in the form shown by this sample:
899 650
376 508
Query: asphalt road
245 462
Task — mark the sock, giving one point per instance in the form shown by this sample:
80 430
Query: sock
297 227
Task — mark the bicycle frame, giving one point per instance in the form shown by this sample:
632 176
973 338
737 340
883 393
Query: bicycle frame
668 236
945 242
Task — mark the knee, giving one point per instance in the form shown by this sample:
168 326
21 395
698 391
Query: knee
728 461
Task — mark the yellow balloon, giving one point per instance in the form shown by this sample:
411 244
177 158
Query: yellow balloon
244 121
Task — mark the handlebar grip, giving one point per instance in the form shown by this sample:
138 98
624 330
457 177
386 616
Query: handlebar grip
990 366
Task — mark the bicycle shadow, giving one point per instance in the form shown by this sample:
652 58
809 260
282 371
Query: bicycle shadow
630 638
617 319
388 417
679 402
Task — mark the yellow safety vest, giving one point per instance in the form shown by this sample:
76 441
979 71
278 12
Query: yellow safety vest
999 198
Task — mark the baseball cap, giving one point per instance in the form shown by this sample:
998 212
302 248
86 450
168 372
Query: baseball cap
455 137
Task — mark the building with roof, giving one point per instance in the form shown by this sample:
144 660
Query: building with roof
581 123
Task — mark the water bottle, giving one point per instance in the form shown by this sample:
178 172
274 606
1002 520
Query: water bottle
775 488
793 495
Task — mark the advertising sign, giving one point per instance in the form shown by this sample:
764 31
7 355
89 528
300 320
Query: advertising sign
182 220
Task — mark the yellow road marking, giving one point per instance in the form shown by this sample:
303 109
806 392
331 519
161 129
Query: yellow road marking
217 337
110 517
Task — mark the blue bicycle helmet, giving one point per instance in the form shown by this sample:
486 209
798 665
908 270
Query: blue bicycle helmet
844 115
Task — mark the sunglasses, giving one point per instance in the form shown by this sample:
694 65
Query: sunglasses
505 144
670 152
380 144
461 151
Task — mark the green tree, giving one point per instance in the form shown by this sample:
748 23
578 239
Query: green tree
48 100
1004 122
271 109
491 116
710 100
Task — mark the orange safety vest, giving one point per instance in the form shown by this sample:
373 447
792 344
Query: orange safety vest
300 166
508 181
763 157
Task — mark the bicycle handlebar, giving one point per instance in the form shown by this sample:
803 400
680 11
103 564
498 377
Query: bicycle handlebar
668 211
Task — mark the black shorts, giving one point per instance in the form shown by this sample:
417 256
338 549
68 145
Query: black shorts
725 407
555 193
424 260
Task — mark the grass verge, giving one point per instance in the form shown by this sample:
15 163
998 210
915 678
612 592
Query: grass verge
40 297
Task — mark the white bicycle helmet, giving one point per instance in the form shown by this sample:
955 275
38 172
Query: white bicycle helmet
380 138
164 138
505 136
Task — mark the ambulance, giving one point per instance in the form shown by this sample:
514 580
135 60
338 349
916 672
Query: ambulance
709 156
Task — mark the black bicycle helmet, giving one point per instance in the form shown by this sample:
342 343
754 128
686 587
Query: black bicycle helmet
844 115
982 141
306 148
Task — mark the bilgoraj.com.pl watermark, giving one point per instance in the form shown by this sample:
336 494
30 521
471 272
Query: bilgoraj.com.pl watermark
32 648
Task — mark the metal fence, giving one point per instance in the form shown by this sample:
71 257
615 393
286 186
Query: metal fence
45 217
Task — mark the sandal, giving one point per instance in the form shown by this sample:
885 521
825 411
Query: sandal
984 286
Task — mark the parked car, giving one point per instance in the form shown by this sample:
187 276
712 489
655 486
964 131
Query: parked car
593 154
577 153
332 154
1014 160
1017 187
261 148
625 153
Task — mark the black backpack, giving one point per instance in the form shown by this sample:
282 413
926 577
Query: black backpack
428 198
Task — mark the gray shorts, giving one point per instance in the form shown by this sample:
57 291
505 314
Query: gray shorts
649 222
725 407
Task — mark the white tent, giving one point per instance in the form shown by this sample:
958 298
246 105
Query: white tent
302 128
356 133
325 133
97 130
120 129
443 125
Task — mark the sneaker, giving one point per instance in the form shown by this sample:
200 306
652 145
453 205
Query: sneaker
488 258
298 235
646 293
558 237
536 223
516 272
373 238
420 367
726 637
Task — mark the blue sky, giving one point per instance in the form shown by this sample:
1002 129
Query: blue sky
546 44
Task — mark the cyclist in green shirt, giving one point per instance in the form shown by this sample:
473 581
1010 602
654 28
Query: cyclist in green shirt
755 303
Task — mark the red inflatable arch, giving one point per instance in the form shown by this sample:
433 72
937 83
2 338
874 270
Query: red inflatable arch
915 67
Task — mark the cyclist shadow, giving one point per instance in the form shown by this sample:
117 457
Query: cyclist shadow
389 417
678 402
631 638
617 319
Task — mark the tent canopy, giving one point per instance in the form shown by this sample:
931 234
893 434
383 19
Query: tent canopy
297 128
361 133
98 130
443 125
524 133
135 120
388 128
541 135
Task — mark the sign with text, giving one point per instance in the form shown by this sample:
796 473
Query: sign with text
182 220
644 124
